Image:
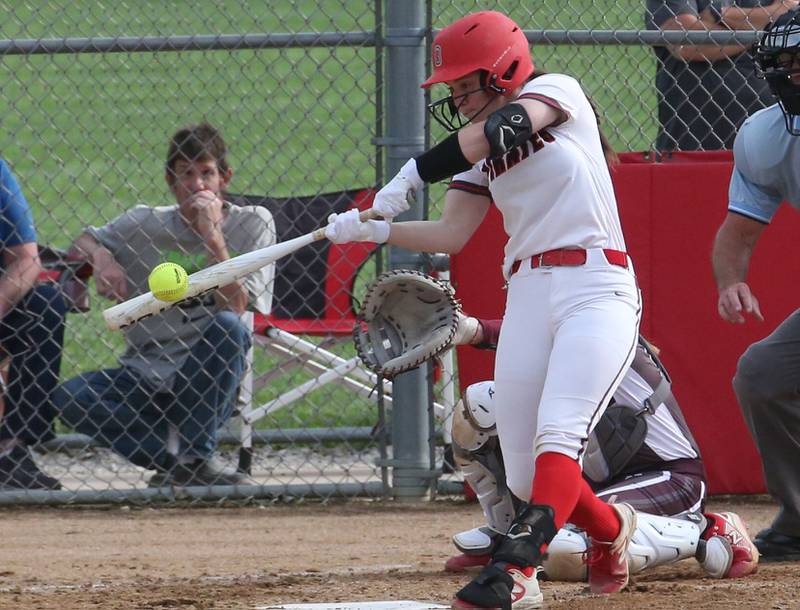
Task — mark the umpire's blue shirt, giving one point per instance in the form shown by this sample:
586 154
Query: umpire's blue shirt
766 167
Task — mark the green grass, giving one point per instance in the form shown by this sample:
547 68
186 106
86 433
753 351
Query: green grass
86 134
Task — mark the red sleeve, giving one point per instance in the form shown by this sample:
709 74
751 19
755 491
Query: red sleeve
491 332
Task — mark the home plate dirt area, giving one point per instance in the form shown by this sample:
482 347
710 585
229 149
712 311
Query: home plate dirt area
335 556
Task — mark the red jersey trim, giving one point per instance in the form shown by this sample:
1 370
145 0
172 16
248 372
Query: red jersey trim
469 187
550 102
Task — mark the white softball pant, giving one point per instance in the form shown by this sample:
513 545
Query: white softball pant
568 336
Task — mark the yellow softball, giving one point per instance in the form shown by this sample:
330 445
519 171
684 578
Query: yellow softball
168 282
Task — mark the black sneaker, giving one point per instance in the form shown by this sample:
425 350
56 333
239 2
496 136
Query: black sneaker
775 546
200 472
19 471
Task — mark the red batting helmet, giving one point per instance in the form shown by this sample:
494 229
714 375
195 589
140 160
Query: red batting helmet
488 41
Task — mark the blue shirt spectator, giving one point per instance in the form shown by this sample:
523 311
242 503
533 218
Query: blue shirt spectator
31 335
16 220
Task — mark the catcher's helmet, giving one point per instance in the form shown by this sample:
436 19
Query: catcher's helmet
778 59
488 42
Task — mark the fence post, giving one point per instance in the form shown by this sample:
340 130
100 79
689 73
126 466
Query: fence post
404 44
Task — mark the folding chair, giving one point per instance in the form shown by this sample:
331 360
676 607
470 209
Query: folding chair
71 276
313 297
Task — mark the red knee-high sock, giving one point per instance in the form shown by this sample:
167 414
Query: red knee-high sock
557 484
595 516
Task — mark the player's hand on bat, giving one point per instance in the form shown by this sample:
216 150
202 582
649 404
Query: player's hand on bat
109 278
394 198
737 300
347 227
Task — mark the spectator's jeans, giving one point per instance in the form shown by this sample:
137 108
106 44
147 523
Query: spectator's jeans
121 411
32 334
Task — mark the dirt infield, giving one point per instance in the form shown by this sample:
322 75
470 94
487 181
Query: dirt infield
226 558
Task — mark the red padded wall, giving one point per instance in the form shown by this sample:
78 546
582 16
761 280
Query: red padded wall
670 212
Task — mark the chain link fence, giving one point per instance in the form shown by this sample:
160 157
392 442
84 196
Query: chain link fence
92 93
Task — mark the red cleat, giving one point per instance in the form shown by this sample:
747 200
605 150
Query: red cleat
608 561
465 563
729 552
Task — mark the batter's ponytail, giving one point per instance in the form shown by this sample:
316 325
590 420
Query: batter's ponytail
609 153
612 158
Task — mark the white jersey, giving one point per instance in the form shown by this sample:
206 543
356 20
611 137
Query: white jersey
554 191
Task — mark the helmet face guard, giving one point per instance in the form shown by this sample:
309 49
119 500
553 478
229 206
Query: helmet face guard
446 110
777 57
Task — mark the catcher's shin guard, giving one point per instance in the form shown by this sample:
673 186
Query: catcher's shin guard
483 470
661 540
656 541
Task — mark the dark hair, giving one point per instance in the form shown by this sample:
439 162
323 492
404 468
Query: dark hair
608 152
612 158
200 142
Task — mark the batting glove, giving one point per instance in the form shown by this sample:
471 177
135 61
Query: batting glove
393 199
344 228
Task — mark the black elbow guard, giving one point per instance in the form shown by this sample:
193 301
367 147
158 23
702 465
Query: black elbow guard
507 128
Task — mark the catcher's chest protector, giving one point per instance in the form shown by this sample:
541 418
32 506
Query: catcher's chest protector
618 436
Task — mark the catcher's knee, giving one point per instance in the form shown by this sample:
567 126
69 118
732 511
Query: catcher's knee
473 419
564 558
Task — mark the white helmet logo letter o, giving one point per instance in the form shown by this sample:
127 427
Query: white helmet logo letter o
517 119
437 56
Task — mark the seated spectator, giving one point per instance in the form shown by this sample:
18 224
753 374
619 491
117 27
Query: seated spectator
31 335
706 91
181 369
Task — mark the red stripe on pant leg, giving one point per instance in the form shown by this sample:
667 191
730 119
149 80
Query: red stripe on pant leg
595 516
556 483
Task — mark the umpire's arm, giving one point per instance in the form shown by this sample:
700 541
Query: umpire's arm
733 249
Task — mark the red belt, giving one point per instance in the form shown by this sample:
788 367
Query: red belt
569 257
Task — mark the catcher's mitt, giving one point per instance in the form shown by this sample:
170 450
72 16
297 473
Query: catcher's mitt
406 319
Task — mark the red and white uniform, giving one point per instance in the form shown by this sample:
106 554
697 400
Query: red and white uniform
554 192
569 332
